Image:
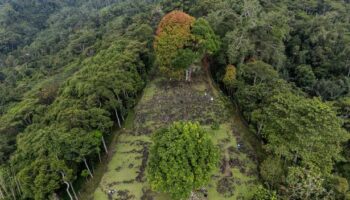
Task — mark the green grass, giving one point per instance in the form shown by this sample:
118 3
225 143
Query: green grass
161 104
225 139
123 167
149 91
129 121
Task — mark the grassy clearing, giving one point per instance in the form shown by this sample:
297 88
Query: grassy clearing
162 103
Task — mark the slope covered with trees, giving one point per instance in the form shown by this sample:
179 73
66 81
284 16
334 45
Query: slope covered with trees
71 71
65 110
287 56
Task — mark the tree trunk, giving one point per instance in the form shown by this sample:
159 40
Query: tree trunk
67 189
295 159
18 185
92 168
13 193
99 157
118 120
255 77
87 167
260 128
69 185
3 189
186 75
74 193
126 94
121 114
118 98
2 195
104 144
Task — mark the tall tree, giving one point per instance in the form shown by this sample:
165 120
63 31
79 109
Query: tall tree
305 131
180 41
173 33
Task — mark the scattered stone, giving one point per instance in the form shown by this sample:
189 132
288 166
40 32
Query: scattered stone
172 102
115 183
225 186
146 194
128 181
235 162
125 195
141 173
112 191
223 166
194 196
231 150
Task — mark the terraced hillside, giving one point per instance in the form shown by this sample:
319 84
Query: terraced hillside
162 103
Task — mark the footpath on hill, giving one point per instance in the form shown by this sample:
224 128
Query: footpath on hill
162 103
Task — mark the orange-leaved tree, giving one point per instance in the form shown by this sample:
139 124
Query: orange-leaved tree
230 78
180 41
173 33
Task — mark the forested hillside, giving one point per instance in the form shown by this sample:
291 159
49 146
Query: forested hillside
71 72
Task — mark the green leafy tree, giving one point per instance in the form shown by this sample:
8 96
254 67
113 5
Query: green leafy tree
43 176
339 185
264 194
272 171
256 82
173 33
332 89
181 159
230 78
305 131
342 106
68 122
306 184
180 41
257 72
8 183
184 58
305 77
205 37
238 46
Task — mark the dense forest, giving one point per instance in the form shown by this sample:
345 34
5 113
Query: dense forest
72 70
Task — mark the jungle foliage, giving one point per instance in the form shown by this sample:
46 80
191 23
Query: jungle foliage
71 70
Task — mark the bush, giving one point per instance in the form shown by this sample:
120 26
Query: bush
264 194
271 170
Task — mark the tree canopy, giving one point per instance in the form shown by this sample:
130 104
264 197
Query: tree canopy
181 159
182 40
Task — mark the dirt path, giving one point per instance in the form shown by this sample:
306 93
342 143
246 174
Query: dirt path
206 66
